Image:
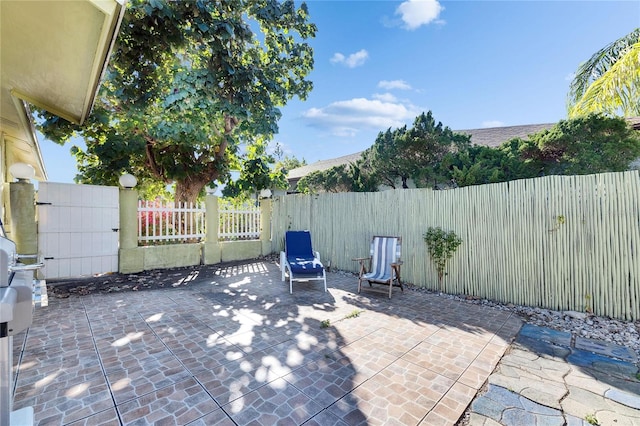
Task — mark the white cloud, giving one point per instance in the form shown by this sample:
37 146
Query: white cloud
415 13
492 123
385 97
394 84
348 117
351 61
337 58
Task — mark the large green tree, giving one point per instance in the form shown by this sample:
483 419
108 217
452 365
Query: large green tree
289 163
187 83
415 153
609 82
478 165
588 144
352 177
257 172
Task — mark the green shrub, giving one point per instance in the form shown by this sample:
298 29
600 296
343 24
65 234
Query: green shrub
441 245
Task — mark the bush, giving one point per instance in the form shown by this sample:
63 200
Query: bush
441 245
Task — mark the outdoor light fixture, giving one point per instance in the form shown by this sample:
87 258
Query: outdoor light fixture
128 181
22 171
265 193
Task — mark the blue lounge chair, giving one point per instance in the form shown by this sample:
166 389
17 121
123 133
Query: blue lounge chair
299 260
384 263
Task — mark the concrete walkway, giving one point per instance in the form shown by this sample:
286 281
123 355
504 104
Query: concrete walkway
232 346
551 378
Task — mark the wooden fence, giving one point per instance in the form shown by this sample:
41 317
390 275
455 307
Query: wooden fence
239 224
170 222
167 222
558 242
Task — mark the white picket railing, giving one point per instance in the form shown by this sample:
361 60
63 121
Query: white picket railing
170 222
160 223
239 224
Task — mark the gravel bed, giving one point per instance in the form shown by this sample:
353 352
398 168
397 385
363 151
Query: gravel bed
624 333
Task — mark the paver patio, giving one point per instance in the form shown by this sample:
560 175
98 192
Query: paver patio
236 348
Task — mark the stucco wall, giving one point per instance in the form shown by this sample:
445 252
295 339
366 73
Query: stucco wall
134 259
240 250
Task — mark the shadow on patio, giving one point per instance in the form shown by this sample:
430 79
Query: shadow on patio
234 347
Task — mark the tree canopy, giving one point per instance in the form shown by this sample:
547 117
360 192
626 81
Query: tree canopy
589 144
434 156
609 81
187 83
256 174
289 163
402 154
478 165
352 177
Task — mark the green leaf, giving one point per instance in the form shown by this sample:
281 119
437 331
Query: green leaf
186 84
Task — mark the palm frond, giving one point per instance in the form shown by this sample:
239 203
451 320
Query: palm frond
616 90
599 64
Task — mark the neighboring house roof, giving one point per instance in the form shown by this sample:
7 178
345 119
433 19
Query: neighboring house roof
634 122
299 172
495 136
52 55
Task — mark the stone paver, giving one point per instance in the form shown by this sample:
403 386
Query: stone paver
239 349
545 379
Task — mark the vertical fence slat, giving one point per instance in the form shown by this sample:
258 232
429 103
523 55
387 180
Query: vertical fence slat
172 222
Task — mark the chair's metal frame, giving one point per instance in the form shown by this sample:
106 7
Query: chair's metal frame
284 266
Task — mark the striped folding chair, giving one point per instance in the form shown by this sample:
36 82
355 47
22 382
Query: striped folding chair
384 263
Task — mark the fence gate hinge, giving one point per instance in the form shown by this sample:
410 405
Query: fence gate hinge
38 203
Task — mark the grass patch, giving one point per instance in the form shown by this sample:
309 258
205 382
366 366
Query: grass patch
354 314
591 419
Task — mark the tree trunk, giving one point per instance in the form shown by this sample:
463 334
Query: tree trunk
404 183
187 190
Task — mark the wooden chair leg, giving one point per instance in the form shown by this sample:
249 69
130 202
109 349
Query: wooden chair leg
397 269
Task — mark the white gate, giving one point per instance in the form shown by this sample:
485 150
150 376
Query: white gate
77 229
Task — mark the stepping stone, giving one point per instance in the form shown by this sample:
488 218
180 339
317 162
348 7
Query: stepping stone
510 409
603 364
546 334
606 348
575 421
623 398
542 348
495 401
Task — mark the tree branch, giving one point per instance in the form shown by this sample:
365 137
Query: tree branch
151 159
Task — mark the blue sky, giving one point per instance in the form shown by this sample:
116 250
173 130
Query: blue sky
379 64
